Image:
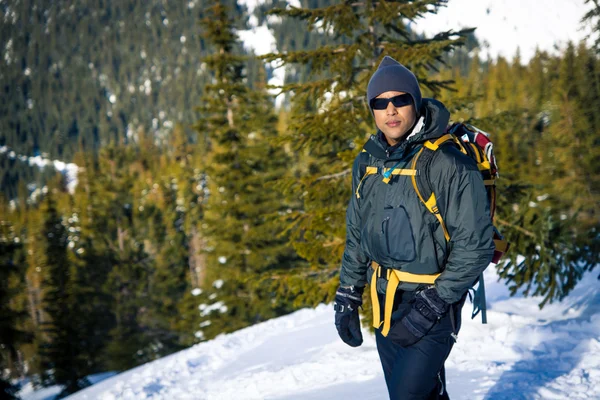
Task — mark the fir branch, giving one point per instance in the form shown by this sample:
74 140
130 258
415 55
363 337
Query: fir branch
520 229
334 176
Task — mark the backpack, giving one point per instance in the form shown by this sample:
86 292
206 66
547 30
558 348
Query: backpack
476 144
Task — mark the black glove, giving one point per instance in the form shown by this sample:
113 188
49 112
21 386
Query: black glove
426 310
347 322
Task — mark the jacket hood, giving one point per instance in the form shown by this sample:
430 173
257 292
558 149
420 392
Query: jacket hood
436 117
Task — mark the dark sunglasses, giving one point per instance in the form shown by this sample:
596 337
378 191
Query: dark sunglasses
398 101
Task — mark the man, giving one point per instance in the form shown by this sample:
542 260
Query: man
390 231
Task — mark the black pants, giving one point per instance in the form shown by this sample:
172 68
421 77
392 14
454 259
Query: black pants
417 371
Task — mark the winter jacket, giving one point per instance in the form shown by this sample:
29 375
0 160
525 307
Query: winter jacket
387 223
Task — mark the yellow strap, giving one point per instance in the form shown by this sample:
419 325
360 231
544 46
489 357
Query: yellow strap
374 297
446 234
477 153
406 172
489 182
390 293
485 165
394 277
414 177
369 171
434 145
431 205
501 245
415 278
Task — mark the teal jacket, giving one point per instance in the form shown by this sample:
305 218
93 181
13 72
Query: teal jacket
388 223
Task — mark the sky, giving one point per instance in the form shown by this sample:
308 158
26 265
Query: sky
521 354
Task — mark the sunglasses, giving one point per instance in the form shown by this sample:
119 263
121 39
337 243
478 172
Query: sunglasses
398 101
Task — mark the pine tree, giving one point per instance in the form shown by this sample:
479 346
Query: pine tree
63 354
545 204
557 220
92 255
330 119
11 337
169 280
243 249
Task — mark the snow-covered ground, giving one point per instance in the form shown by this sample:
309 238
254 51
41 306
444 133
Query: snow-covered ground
29 393
522 353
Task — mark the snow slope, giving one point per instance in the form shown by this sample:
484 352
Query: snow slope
522 353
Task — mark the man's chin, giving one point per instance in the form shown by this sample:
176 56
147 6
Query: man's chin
394 137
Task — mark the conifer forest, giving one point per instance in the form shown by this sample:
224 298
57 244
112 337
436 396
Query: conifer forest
199 206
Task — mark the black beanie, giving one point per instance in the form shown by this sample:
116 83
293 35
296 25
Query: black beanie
393 76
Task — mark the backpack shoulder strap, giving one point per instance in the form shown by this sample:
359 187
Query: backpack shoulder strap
365 170
424 189
421 182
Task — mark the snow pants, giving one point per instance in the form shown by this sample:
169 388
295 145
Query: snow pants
417 371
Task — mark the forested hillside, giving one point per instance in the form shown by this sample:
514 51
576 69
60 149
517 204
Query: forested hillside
201 208
80 75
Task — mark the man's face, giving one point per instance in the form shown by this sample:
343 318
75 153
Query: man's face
394 121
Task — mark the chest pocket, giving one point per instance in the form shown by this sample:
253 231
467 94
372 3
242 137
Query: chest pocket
397 236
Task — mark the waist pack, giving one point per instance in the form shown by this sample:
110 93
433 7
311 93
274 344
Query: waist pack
476 144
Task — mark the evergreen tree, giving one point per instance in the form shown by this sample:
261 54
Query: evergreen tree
544 142
243 249
11 337
330 119
169 280
63 354
93 257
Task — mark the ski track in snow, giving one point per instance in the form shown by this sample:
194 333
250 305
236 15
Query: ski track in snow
522 353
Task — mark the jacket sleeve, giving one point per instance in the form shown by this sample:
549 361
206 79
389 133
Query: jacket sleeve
462 201
354 262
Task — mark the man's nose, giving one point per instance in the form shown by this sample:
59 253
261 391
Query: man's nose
391 109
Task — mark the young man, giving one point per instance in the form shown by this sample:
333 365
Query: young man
390 230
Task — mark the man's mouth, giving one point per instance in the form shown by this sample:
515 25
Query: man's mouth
393 124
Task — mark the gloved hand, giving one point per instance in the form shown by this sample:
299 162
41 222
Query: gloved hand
347 322
426 310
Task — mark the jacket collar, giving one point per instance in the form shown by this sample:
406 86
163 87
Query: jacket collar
436 118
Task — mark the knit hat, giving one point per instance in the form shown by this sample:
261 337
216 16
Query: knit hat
393 76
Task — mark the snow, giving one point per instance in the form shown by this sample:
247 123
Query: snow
70 170
521 353
219 282
506 25
261 41
206 309
29 393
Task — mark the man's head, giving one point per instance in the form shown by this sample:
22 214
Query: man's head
396 116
